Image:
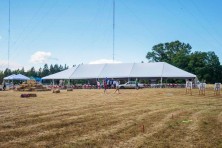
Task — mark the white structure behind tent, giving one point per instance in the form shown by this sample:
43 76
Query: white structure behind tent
217 87
202 88
189 87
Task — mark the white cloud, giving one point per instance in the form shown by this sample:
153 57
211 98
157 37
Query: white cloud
12 65
103 61
40 57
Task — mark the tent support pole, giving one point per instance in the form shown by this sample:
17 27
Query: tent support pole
69 83
53 82
161 80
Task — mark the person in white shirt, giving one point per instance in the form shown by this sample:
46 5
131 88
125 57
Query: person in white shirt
98 84
117 86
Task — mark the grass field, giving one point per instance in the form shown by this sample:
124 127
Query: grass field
89 118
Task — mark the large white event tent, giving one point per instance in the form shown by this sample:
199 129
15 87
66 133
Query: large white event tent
158 70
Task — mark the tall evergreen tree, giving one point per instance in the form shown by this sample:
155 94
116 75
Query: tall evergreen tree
45 71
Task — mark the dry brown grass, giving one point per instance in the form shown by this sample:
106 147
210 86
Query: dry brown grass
89 118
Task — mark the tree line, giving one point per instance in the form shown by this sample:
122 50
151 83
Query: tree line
205 65
41 72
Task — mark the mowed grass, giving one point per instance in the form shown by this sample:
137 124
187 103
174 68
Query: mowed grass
133 118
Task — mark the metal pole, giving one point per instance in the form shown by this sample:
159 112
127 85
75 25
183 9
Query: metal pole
9 26
161 81
113 29
69 83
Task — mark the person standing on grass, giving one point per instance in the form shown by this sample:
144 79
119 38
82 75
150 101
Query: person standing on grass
117 86
105 86
108 83
137 87
4 85
98 84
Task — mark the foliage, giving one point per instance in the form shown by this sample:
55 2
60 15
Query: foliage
205 65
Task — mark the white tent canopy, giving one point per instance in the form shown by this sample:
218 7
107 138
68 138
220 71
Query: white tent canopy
122 70
17 77
116 71
9 77
87 71
65 74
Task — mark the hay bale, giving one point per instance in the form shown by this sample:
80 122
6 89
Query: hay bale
39 90
27 89
31 81
24 95
69 89
28 95
18 88
24 85
21 87
32 95
32 88
56 91
38 85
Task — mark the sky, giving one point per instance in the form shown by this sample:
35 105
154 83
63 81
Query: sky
81 31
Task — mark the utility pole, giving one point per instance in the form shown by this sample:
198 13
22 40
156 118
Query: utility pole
9 27
113 30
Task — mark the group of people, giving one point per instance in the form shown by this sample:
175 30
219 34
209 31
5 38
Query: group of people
108 83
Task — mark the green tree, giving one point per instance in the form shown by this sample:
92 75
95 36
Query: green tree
56 68
175 53
51 69
22 71
60 68
7 72
197 64
213 67
45 71
1 76
65 67
31 72
206 66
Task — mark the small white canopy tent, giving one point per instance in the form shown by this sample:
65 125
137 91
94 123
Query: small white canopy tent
9 77
14 77
123 70
17 77
21 77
